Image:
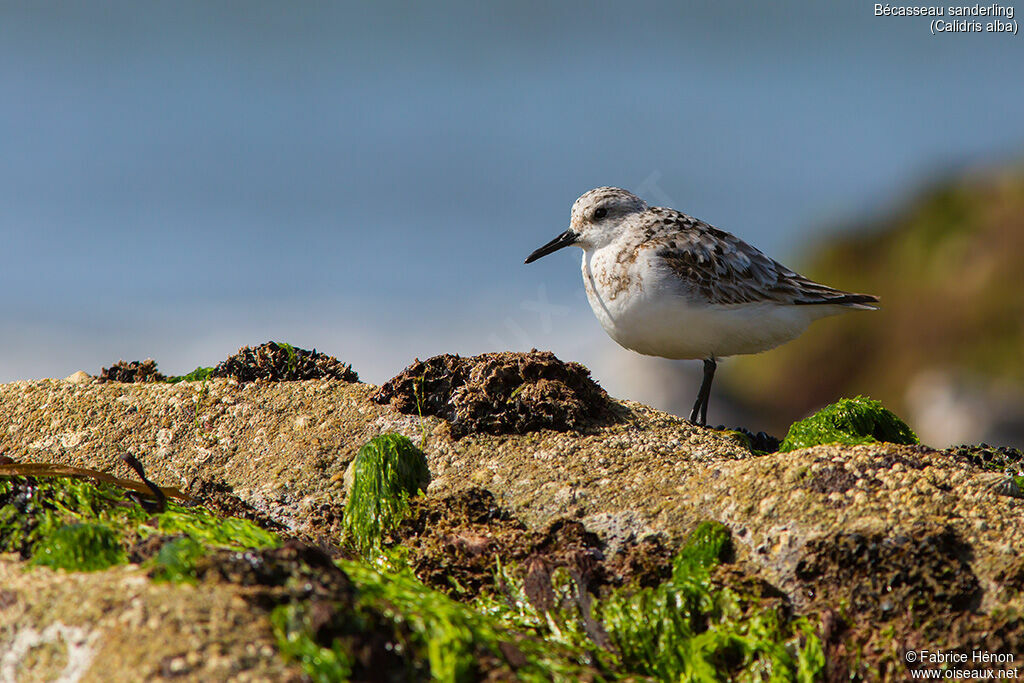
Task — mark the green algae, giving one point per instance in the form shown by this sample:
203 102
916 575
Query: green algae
295 633
387 471
177 559
446 633
82 525
849 421
739 438
34 510
200 374
690 628
559 624
80 547
382 619
710 544
293 360
204 527
428 634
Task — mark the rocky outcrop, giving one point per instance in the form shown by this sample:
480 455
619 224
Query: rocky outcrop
877 547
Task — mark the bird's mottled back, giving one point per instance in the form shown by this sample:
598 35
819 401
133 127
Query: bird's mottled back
723 269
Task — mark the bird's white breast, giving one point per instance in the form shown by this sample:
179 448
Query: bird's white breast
647 308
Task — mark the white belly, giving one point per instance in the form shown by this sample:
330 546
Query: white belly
646 313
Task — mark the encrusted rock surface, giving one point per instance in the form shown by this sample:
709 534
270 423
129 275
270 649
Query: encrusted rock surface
283 447
866 538
117 625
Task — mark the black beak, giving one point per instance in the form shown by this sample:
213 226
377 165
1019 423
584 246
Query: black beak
567 238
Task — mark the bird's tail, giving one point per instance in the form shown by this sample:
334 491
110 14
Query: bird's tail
839 298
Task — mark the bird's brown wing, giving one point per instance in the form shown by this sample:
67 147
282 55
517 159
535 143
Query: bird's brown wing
723 269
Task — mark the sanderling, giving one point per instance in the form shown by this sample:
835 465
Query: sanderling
666 284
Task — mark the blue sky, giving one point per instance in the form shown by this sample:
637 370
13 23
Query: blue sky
180 179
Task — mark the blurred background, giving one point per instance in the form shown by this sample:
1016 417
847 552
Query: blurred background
181 179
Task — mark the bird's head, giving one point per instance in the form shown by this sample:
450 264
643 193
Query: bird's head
595 220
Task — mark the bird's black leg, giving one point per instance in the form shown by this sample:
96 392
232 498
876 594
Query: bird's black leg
700 408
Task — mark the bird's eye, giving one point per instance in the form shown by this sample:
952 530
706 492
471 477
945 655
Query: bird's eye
600 213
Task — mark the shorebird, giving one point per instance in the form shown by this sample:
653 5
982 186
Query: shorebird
663 283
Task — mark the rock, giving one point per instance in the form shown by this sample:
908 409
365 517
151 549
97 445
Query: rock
878 543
